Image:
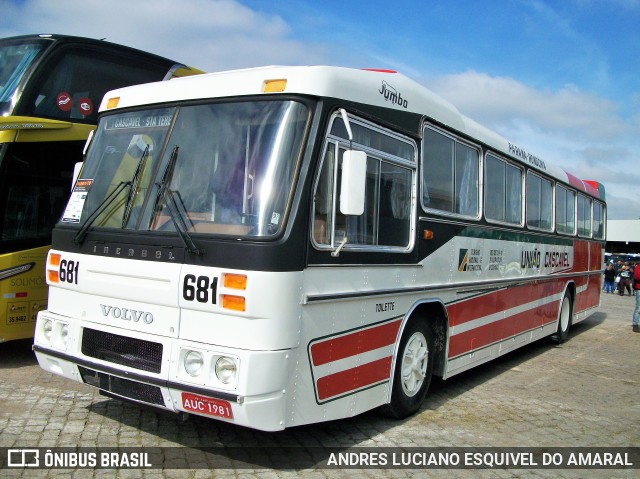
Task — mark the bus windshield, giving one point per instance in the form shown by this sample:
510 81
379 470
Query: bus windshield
220 168
15 59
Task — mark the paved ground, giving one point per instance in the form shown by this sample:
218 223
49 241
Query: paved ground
583 393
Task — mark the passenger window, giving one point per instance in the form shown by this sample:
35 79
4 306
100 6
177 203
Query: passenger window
598 220
503 191
450 175
539 202
565 210
584 216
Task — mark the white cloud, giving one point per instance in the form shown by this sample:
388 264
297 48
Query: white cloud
581 132
208 34
567 111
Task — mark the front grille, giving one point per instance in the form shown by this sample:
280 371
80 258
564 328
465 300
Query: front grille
135 353
122 387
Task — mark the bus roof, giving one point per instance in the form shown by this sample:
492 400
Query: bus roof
381 88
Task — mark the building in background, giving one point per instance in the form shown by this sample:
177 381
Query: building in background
623 236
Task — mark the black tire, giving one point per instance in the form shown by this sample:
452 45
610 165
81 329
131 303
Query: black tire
413 370
565 319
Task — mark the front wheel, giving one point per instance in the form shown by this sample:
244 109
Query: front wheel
414 366
564 320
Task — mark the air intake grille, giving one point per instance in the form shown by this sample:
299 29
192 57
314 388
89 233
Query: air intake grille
135 353
122 387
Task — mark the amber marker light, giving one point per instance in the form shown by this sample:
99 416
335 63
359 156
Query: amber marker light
54 259
235 281
235 303
54 263
52 276
427 234
274 86
112 102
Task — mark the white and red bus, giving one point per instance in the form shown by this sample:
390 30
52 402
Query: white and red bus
281 246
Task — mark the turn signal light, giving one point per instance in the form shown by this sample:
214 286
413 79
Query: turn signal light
54 259
236 303
52 276
235 281
54 263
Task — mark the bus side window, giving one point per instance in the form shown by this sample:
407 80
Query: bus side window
503 191
539 202
388 196
386 220
450 171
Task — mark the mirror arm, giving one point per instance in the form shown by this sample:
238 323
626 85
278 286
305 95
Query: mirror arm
335 253
347 125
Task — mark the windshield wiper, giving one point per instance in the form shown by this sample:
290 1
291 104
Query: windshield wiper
134 187
178 220
82 233
168 196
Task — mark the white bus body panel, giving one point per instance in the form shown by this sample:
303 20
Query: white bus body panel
264 346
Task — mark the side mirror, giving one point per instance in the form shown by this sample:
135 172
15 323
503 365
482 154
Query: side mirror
354 175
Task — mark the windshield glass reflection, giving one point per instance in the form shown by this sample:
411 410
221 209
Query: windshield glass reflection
233 174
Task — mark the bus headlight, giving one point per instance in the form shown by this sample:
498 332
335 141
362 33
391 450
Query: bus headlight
47 329
193 363
226 369
64 334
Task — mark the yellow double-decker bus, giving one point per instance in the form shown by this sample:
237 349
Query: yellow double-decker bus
50 90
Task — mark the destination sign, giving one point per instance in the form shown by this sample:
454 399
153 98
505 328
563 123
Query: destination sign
142 121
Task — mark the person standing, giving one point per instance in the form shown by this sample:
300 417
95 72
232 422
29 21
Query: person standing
625 281
636 311
609 278
617 267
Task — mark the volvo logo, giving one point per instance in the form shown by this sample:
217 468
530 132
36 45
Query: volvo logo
127 314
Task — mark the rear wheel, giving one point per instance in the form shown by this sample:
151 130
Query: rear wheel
414 366
564 319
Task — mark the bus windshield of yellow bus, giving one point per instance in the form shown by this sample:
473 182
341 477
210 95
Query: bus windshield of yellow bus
15 60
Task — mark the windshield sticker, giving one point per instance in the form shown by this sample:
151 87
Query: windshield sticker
85 105
64 101
76 202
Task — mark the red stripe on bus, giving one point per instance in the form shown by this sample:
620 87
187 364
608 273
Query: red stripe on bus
352 379
355 343
503 329
502 300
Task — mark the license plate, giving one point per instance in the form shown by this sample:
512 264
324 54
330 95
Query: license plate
205 405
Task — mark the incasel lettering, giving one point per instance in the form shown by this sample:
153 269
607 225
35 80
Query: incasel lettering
127 314
390 94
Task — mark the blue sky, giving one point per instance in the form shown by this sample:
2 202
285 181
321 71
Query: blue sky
560 78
